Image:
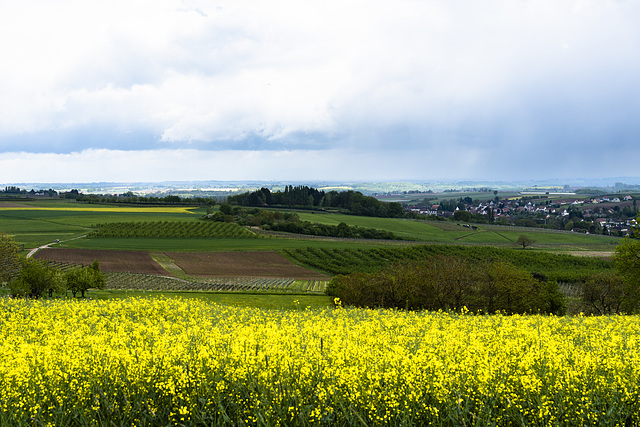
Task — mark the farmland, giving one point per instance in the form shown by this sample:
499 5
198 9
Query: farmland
229 264
161 361
205 271
113 234
173 229
205 323
560 267
122 261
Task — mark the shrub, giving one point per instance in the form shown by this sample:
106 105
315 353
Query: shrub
608 293
447 282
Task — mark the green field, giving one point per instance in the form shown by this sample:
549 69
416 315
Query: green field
79 226
451 232
46 221
206 245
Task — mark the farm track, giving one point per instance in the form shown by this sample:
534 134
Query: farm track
33 251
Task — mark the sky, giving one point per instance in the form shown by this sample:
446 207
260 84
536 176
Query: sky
375 90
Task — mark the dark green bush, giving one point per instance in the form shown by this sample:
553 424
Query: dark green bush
446 282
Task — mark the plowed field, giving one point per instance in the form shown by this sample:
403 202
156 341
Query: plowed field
242 264
122 261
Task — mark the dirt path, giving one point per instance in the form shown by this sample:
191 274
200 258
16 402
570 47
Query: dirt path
34 250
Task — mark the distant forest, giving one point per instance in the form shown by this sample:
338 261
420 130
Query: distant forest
352 202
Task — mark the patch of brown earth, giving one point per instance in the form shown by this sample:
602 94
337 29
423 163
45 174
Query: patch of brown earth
594 254
121 261
242 264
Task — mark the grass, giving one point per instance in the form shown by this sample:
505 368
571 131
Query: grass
45 221
451 232
35 226
197 245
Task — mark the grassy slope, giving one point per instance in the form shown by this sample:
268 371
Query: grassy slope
449 232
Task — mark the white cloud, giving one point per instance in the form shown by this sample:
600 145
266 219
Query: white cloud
361 74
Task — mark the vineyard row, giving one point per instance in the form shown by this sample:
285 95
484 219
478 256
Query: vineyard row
172 229
150 282
136 281
560 267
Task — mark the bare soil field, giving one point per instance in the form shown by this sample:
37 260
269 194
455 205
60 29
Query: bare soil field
595 254
120 261
242 264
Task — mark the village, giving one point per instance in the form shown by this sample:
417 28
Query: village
606 214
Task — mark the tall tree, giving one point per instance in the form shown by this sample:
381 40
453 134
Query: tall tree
36 278
85 278
525 241
627 257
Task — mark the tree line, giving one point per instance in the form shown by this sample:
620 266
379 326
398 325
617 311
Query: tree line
131 198
446 282
352 202
289 222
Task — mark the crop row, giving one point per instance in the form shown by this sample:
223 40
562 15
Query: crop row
136 281
560 267
172 229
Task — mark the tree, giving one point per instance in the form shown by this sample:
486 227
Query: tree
510 289
462 216
226 209
9 258
627 260
525 241
85 278
445 282
627 257
35 279
608 293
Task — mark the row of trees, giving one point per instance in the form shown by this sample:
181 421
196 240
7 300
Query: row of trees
352 202
17 191
290 222
130 198
32 278
446 282
37 278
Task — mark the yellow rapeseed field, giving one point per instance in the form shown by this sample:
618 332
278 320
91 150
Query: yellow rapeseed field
173 362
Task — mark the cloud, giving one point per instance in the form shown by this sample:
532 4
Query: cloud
495 78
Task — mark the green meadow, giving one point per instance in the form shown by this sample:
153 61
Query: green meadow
43 222
451 232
